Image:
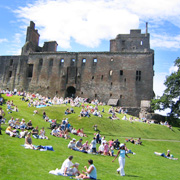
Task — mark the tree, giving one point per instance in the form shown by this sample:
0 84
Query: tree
171 96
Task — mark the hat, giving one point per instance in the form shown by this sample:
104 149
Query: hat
81 139
168 150
121 145
73 139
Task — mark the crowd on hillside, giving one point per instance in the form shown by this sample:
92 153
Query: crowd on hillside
64 129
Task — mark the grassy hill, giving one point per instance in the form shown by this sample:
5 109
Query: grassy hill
19 163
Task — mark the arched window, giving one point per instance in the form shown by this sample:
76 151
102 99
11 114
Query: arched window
83 62
62 62
51 62
110 72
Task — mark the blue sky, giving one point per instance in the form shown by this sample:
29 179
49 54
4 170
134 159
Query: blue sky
88 25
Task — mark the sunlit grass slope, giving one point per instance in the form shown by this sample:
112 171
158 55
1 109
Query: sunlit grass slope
19 163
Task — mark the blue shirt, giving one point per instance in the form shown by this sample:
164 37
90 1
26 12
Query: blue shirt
122 153
93 173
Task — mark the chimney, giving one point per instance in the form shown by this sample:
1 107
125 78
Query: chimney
146 27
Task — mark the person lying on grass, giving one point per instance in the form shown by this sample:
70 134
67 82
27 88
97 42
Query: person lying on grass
167 155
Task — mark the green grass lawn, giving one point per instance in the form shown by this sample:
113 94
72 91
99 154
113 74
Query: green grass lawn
19 163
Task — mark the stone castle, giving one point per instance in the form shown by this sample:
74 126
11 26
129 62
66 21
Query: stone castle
124 74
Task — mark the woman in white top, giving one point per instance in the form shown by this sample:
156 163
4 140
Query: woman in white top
121 153
42 134
90 173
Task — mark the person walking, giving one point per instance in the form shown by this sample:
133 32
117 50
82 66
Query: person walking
121 153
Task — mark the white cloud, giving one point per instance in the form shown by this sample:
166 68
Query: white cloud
173 69
87 22
90 21
3 40
165 41
159 80
158 85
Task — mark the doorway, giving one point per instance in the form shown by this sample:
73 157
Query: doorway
70 92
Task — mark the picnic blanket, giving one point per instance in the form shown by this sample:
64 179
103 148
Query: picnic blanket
9 95
57 172
40 106
43 148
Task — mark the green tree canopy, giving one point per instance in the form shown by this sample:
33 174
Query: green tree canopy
171 96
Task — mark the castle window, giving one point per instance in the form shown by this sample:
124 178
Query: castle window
110 72
81 92
83 62
94 62
123 42
51 62
134 47
10 73
40 62
30 70
62 62
11 62
110 94
111 83
92 77
56 92
138 75
73 62
120 96
95 95
102 77
121 72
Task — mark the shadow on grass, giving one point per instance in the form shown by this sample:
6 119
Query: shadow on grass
133 176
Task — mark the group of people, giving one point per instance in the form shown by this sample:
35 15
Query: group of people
71 169
89 110
138 141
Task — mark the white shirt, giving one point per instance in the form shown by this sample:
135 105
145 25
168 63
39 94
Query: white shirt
101 148
66 164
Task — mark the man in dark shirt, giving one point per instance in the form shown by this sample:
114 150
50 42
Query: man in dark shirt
35 132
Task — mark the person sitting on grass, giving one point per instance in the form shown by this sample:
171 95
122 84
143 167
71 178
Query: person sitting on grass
66 134
138 141
167 155
42 134
101 148
106 149
72 144
22 124
23 133
86 146
10 131
55 132
128 151
90 172
35 132
29 125
111 151
79 144
66 166
28 142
